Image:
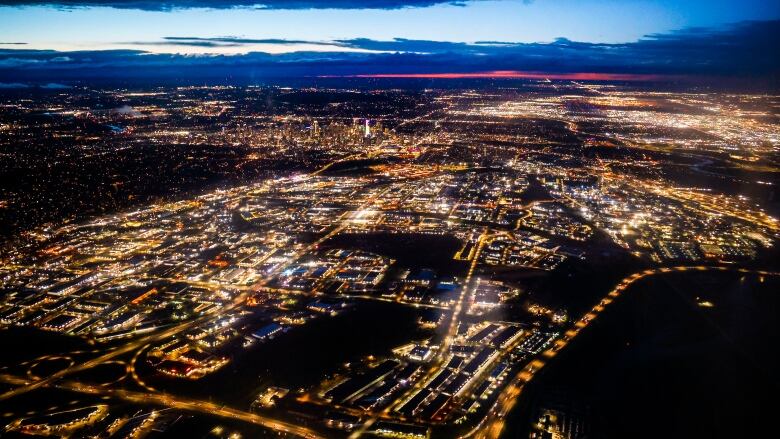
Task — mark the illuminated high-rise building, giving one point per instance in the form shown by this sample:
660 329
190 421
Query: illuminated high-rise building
316 129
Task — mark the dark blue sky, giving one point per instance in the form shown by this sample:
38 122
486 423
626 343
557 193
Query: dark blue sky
388 36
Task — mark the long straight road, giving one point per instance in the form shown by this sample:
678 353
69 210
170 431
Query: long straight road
444 347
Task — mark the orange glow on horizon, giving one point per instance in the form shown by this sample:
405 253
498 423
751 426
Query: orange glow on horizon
516 74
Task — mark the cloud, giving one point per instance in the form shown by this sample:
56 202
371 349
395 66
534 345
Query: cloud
236 46
240 40
12 62
216 4
186 43
24 58
55 86
740 50
12 85
17 85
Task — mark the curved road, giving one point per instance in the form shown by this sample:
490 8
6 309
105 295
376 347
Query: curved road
493 424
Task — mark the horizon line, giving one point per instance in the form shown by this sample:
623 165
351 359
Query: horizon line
516 74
